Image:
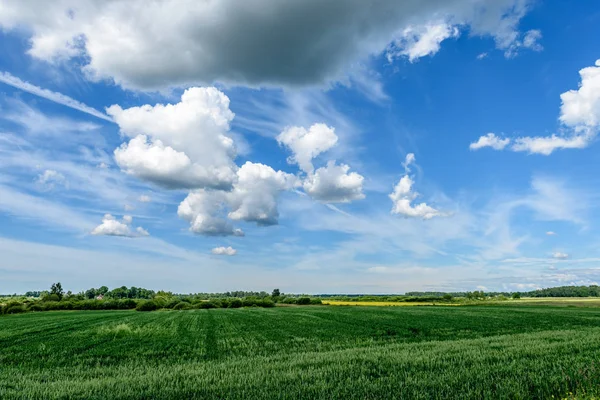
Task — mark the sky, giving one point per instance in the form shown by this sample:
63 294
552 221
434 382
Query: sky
316 147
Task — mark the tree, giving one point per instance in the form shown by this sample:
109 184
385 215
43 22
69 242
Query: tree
275 293
516 296
57 289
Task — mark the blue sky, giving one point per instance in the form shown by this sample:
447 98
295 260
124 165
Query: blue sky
346 147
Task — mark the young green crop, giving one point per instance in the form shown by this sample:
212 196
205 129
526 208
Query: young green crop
303 352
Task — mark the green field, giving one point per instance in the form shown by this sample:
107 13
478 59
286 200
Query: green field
317 352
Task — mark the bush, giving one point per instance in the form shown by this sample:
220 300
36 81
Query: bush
182 306
267 303
205 305
35 307
315 301
235 303
171 303
148 305
303 301
51 297
13 307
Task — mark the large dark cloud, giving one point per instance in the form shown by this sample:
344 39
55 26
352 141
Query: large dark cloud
146 44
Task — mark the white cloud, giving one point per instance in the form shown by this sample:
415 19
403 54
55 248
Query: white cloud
560 256
333 184
50 178
183 145
254 195
110 226
481 56
403 196
205 211
550 233
420 41
408 161
224 251
144 199
530 41
307 144
172 44
489 140
252 199
546 145
56 97
580 108
579 117
128 207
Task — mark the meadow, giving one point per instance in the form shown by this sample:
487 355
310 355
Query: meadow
301 352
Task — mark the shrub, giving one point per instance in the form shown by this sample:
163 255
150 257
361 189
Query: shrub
268 303
35 307
315 301
171 303
205 305
51 297
235 303
181 306
148 305
303 301
13 307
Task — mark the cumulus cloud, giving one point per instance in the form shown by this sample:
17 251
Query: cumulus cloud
110 226
252 199
333 184
254 195
182 145
224 251
403 196
307 144
254 42
489 140
205 211
580 108
579 117
50 178
560 256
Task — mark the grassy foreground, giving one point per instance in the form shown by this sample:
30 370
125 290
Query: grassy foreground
303 352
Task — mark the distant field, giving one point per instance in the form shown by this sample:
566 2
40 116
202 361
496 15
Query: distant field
487 352
539 301
385 303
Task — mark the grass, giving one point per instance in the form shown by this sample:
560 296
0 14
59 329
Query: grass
487 352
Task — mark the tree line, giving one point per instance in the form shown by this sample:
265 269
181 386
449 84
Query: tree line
141 299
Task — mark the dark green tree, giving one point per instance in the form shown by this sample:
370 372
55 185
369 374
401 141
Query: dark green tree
57 289
276 293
